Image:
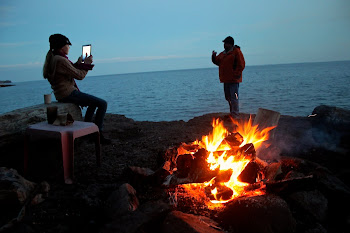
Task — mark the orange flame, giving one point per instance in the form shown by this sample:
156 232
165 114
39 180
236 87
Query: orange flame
251 134
224 157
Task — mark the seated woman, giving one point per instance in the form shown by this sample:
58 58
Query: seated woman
61 73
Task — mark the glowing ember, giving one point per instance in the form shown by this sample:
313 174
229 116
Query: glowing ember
228 154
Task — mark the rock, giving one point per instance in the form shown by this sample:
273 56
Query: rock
167 166
263 214
273 170
317 228
37 199
338 196
6 83
91 194
14 193
312 202
331 185
122 201
45 187
331 126
177 221
141 171
139 177
14 189
147 218
298 166
160 176
294 175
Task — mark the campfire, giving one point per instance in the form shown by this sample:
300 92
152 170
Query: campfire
233 177
211 170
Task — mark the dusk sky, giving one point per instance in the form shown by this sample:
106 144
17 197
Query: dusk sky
154 35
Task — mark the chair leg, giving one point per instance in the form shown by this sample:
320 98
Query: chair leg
67 144
98 148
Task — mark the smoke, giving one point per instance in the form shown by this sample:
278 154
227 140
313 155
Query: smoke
327 139
293 145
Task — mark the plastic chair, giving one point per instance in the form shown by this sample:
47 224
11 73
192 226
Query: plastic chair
67 135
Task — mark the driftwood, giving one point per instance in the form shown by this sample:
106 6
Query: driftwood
267 118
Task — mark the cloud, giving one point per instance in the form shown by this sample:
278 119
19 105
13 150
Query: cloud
27 65
143 58
15 44
6 24
107 60
4 11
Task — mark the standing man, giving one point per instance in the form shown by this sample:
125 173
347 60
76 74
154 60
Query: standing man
231 65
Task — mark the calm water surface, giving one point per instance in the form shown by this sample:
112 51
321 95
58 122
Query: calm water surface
291 89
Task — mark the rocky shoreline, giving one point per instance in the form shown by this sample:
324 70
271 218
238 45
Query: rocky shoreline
6 83
81 207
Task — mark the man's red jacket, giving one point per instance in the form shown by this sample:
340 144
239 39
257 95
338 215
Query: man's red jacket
231 65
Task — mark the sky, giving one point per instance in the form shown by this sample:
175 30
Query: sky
140 36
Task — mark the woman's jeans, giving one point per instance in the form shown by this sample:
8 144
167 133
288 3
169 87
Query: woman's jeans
92 102
231 95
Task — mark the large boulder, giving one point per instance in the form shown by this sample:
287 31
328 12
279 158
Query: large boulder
122 201
14 189
148 217
16 193
264 214
331 126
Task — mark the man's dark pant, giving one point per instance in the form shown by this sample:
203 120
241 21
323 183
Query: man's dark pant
92 103
231 95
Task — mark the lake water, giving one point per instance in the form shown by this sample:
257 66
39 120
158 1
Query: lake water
291 89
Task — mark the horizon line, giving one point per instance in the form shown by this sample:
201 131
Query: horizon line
140 72
275 64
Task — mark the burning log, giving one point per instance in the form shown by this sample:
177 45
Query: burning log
234 139
245 152
250 174
223 176
248 151
254 186
191 169
200 171
187 149
220 192
184 163
170 156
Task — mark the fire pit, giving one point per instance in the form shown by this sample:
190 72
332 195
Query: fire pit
219 183
211 170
